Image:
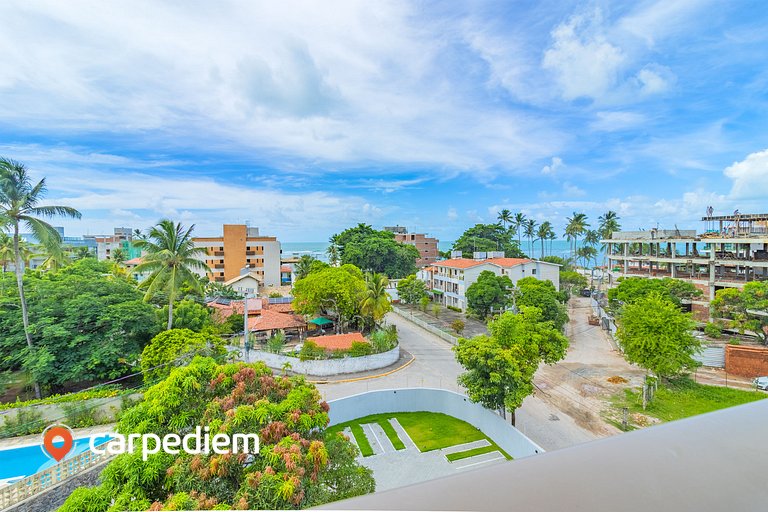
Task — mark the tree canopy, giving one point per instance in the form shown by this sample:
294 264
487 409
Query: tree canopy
336 289
375 251
88 324
489 292
174 348
488 237
631 289
296 466
656 335
500 366
543 295
411 290
746 310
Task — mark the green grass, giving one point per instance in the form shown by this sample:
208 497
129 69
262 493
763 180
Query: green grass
477 451
682 398
428 430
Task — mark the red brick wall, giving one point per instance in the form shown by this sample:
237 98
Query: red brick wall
700 312
746 361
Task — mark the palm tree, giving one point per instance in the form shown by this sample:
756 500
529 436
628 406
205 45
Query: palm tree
530 233
518 222
576 227
303 266
543 234
138 235
171 260
6 250
118 255
608 223
333 255
374 300
55 258
505 217
591 237
587 253
19 204
81 253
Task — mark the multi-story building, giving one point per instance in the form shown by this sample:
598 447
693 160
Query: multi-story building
427 246
122 239
451 278
732 251
241 247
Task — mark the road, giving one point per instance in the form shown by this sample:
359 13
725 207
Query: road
435 366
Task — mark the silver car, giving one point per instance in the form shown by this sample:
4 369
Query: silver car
761 383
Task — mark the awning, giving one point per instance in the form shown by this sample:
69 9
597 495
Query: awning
321 321
437 292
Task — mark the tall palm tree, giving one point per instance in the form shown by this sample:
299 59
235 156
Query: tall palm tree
303 266
171 260
591 237
518 222
374 300
543 234
118 255
505 217
608 223
55 258
577 225
530 233
333 255
6 250
20 204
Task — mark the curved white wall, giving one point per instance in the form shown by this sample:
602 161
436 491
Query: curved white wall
435 400
326 367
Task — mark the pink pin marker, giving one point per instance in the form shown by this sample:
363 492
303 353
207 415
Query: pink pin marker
53 433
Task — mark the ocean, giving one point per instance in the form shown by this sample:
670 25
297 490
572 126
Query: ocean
318 249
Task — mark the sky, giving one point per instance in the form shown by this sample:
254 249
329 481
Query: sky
304 118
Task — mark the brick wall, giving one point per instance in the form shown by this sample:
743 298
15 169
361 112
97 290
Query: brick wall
700 312
746 361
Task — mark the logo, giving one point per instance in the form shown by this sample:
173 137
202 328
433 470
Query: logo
57 441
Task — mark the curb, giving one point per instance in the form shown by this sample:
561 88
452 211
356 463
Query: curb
368 377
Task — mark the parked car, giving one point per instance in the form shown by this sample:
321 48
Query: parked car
586 292
761 383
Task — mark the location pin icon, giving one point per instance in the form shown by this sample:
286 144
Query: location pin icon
52 433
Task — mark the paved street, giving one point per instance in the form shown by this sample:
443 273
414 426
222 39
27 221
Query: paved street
435 366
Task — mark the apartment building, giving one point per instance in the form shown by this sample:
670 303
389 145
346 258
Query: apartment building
241 247
122 238
732 251
427 246
451 278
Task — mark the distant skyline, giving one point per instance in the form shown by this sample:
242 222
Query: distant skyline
305 118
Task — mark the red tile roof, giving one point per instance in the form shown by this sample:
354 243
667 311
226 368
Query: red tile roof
134 261
285 268
508 262
458 263
272 320
338 341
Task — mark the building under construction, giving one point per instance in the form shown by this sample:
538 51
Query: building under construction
732 251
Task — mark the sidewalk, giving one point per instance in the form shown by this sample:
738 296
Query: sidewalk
443 322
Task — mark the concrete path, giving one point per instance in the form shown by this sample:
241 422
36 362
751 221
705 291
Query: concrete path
402 434
466 446
483 458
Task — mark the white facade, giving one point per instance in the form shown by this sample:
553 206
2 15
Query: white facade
452 277
245 284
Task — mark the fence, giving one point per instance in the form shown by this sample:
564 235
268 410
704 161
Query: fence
713 357
45 479
426 326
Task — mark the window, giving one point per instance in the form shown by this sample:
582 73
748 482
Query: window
533 271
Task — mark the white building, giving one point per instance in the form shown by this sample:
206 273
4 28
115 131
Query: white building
451 278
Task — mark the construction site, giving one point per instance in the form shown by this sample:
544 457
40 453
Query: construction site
731 250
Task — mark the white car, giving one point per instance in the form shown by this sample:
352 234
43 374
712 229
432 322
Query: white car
761 383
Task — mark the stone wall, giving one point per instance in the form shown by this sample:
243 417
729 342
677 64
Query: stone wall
53 498
435 400
746 361
326 367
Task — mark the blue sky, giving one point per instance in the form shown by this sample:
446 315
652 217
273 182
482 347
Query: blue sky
307 117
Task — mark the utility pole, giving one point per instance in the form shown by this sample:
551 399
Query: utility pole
246 340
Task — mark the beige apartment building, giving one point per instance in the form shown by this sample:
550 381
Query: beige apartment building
732 251
427 246
240 250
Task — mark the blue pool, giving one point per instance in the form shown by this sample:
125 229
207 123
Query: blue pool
16 463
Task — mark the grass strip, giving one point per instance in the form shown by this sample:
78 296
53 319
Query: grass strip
362 440
433 431
470 453
391 434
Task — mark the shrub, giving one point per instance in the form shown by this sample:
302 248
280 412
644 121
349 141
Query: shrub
108 390
27 421
79 415
436 310
276 342
275 295
713 330
454 308
457 326
171 348
360 348
424 302
384 339
310 350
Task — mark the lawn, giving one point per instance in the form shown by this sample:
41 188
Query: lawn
428 430
476 451
682 398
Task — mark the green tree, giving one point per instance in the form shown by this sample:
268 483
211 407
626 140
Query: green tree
543 295
20 205
489 292
458 326
411 290
215 289
488 237
530 233
570 280
544 233
505 217
656 335
500 366
175 347
376 251
89 325
374 299
297 465
170 257
188 314
586 253
518 223
304 266
631 289
335 289
746 310
333 255
577 225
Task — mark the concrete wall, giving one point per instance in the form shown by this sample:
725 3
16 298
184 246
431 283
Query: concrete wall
746 361
326 367
434 330
104 409
54 497
435 400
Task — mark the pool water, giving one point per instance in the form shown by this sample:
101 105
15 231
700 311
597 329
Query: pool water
16 463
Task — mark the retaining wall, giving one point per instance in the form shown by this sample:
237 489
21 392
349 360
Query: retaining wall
434 400
424 325
746 361
326 367
104 409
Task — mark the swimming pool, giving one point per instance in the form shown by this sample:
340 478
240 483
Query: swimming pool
17 463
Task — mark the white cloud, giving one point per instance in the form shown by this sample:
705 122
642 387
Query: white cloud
612 121
452 214
583 61
654 79
572 190
553 166
750 177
